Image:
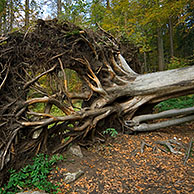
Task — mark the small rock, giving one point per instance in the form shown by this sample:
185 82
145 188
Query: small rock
36 134
76 150
70 177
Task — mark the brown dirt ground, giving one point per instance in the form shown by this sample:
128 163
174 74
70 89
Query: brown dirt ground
118 166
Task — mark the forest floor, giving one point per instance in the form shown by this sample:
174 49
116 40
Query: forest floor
118 166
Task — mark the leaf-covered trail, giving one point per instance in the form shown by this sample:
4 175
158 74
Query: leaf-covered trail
118 166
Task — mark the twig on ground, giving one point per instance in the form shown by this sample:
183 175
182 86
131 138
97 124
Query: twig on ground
169 146
134 152
187 154
143 144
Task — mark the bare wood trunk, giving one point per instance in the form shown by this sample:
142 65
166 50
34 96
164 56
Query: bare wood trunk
159 85
164 124
177 116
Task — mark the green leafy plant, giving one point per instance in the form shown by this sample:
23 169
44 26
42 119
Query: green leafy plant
111 131
32 176
175 103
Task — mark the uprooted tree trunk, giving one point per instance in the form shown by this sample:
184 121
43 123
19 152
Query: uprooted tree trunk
33 87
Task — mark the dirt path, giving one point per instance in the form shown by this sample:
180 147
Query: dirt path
118 166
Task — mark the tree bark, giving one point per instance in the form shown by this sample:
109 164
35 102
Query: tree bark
145 63
1 25
4 18
27 13
11 14
163 124
108 4
59 8
178 116
171 37
161 64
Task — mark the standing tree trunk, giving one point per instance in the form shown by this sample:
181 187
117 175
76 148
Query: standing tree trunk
4 22
1 25
27 13
171 37
11 14
108 4
161 64
145 63
59 8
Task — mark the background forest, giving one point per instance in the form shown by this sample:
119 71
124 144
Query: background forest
162 30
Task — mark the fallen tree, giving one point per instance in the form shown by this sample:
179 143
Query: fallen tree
33 68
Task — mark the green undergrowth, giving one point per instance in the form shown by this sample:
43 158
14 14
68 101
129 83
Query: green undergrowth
33 176
111 131
175 103
176 62
55 111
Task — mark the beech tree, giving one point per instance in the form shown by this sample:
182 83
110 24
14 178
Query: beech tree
59 8
27 12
